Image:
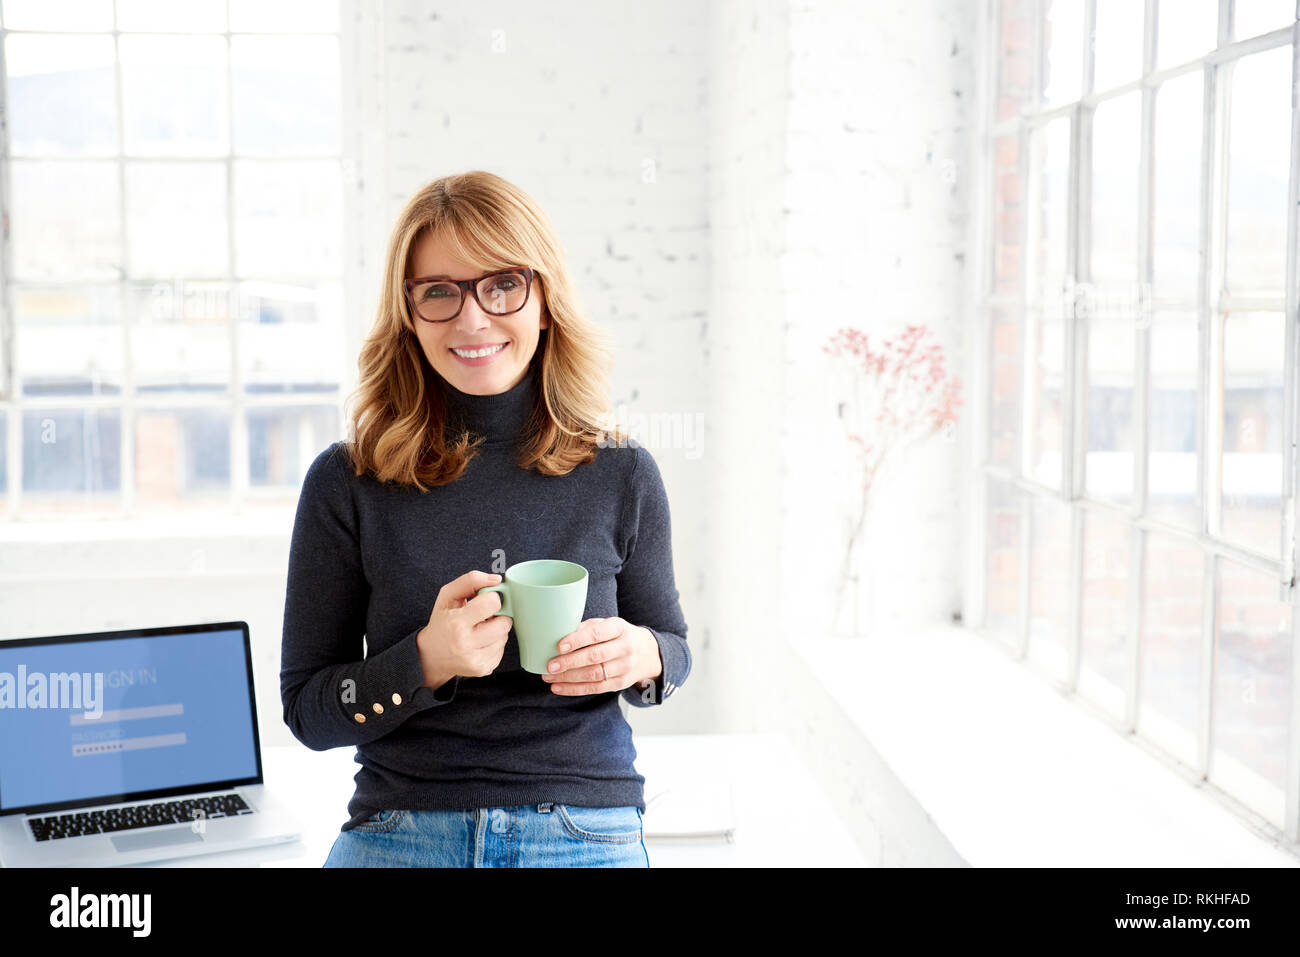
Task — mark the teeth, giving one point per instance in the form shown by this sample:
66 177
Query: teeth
476 354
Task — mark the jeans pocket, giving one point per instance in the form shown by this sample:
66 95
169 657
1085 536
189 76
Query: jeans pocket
602 825
381 821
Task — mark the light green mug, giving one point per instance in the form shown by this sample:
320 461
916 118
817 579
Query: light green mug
546 598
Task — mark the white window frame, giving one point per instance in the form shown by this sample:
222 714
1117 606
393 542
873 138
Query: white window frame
1072 493
235 400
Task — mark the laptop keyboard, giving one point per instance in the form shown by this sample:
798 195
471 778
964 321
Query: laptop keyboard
78 824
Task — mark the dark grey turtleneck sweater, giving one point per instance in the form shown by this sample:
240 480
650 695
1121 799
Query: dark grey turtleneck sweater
367 559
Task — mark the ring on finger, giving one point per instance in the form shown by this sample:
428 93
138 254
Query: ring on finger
604 670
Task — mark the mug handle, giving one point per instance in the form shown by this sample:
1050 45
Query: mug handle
504 590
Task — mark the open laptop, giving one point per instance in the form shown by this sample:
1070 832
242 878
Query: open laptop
129 747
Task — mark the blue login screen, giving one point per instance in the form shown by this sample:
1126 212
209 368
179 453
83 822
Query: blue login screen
91 719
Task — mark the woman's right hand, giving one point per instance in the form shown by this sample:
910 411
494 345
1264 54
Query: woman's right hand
464 635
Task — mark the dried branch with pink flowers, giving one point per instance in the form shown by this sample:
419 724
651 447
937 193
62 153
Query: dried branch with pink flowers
902 395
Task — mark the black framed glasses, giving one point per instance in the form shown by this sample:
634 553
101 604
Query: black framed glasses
498 294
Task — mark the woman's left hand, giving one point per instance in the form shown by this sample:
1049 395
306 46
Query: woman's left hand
628 653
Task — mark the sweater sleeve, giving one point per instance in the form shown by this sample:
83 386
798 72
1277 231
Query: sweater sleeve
647 591
327 687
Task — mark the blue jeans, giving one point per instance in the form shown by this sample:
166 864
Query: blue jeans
522 835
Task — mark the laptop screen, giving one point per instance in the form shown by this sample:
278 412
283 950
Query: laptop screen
117 716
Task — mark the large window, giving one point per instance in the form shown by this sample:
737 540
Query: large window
172 271
1138 304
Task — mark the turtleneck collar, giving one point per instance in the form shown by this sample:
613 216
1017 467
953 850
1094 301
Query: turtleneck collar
499 418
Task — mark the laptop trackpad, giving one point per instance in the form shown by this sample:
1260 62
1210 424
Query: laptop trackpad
143 842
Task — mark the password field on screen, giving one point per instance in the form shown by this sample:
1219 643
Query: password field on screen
93 748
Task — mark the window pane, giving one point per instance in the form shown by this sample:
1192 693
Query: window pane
292 337
67 220
1044 382
1175 191
1104 625
70 340
1253 349
1049 584
1172 437
1004 404
60 95
286 95
1015 63
280 16
1116 153
1062 51
1252 690
1253 17
1049 182
176 219
182 457
1170 651
58 15
71 458
174 95
1185 30
1112 300
1108 465
1117 49
1005 538
282 442
1258 166
288 219
198 16
1048 289
180 336
1007 218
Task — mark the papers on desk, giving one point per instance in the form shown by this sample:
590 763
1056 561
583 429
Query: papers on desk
688 813
687 800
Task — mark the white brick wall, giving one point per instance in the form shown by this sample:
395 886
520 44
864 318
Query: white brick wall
749 97
839 136
876 193
874 202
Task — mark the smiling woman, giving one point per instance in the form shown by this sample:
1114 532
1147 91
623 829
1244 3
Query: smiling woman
478 444
440 300
451 258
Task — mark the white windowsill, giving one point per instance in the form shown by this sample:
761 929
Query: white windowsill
1012 772
255 521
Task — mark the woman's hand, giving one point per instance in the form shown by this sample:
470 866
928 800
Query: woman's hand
629 654
464 636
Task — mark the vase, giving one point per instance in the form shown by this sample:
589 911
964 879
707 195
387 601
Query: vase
855 603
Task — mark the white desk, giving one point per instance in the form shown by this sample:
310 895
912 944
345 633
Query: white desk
782 817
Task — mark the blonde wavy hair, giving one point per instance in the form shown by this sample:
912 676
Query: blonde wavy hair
397 418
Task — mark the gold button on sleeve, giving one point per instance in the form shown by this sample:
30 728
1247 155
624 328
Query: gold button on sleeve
379 708
361 718
397 698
